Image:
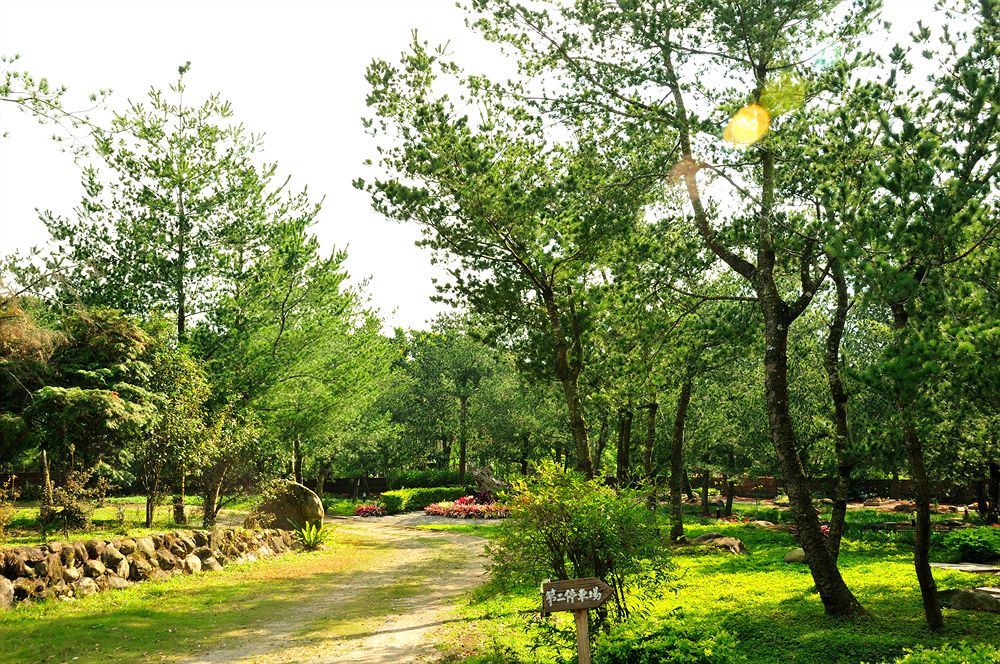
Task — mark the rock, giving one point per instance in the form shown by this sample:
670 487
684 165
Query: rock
94 548
94 568
904 507
192 564
978 599
25 588
80 553
762 524
145 546
51 568
795 556
200 538
203 552
291 505
115 583
730 544
83 587
71 574
139 569
165 560
707 537
6 593
112 557
210 565
127 546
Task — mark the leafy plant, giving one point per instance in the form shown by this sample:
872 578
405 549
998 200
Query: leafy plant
404 500
8 496
963 653
369 509
469 507
565 526
975 545
312 536
670 641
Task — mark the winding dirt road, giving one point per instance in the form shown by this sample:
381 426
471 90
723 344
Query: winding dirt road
411 583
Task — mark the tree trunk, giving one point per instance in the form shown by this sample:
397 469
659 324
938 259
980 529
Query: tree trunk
622 473
297 459
569 374
445 462
688 489
463 417
182 233
730 489
150 506
211 499
647 450
180 516
894 486
602 442
993 495
921 487
836 596
321 481
842 442
706 479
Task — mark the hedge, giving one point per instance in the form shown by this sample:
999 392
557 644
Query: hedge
405 500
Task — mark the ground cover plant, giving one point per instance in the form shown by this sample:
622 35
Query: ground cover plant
480 506
767 607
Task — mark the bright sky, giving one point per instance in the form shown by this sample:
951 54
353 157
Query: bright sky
293 70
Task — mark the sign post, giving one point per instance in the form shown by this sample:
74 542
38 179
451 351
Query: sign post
578 596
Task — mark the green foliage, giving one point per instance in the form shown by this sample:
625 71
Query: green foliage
564 526
312 536
405 500
8 496
412 479
963 653
974 545
667 641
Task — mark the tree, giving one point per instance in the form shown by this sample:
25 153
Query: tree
521 219
677 68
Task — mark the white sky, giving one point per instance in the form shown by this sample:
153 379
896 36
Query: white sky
293 70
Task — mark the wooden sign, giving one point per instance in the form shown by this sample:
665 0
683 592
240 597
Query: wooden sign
578 596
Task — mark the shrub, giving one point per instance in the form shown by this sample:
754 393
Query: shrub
404 500
670 641
564 526
975 545
963 653
312 535
414 479
368 509
8 496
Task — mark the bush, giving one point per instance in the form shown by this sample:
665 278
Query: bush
404 500
563 526
8 496
421 479
963 653
975 545
312 535
671 641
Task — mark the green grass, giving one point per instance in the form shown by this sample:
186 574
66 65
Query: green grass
768 605
486 529
23 528
340 506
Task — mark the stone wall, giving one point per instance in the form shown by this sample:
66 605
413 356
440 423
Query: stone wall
77 569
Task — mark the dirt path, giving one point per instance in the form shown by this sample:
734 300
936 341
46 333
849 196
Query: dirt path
411 583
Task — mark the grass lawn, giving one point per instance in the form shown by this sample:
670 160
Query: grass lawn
767 604
106 524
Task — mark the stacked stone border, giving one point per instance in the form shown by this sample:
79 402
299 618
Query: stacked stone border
66 570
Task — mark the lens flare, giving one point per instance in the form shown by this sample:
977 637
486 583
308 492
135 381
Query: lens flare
748 125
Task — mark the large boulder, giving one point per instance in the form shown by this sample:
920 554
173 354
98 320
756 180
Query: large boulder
289 505
85 586
720 541
795 556
978 599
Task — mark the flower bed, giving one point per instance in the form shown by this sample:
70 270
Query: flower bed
469 507
368 509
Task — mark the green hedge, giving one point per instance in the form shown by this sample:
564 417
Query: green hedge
405 500
413 479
